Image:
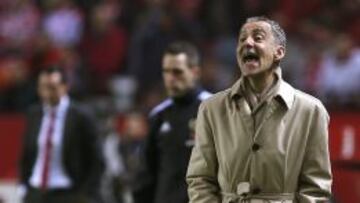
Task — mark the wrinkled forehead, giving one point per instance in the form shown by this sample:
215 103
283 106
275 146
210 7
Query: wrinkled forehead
257 26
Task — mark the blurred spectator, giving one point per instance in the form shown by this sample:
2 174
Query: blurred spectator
111 188
12 70
121 151
60 160
63 23
340 72
19 25
16 91
133 136
104 46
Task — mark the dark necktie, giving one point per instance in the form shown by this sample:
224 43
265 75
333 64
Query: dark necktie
48 150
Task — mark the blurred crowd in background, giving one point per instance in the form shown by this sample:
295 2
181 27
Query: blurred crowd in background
111 51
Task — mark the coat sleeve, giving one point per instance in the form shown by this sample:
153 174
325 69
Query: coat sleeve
203 166
315 177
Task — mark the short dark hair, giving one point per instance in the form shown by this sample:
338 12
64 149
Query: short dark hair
55 69
192 53
277 30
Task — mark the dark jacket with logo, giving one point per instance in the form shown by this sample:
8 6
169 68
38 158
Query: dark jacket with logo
167 149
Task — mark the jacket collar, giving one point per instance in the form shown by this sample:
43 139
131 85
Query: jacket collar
188 97
285 92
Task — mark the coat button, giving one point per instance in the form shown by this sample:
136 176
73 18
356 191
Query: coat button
255 147
256 191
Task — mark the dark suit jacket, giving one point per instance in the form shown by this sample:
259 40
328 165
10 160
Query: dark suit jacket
81 150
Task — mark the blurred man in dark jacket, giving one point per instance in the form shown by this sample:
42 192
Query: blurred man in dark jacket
170 140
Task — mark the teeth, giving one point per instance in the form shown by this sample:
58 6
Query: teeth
252 59
249 56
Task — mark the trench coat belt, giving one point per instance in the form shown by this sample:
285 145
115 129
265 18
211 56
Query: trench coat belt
257 198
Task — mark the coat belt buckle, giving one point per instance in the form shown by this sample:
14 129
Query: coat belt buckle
243 190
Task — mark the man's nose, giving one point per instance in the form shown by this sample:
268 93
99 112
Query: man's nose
170 77
248 42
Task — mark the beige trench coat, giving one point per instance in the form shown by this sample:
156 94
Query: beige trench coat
285 159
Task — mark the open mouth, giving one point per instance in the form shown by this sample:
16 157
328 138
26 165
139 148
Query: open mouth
250 57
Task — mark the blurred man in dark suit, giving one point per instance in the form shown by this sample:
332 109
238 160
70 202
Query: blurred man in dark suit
60 160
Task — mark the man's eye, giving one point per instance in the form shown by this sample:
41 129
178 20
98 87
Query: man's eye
258 38
173 71
177 72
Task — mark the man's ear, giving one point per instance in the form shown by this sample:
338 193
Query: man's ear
196 71
279 53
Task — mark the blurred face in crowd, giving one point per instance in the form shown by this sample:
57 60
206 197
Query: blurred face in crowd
51 88
178 76
257 49
343 47
135 126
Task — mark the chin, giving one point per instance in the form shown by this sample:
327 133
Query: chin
251 72
177 94
172 93
254 71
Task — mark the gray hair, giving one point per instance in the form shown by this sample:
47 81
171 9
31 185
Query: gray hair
277 31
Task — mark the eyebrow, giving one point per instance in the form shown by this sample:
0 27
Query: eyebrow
259 30
256 30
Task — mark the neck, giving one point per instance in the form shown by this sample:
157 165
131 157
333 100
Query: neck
262 81
55 103
187 97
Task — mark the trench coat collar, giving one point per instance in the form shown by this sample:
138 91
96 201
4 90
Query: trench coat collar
285 92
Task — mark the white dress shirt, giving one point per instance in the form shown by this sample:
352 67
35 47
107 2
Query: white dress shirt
57 177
